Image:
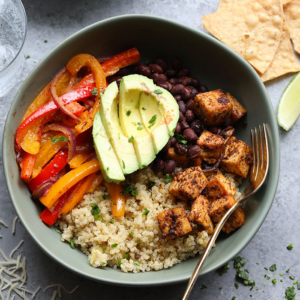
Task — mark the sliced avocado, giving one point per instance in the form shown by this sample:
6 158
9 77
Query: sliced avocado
109 164
131 88
109 115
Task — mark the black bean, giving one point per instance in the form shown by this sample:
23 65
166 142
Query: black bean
190 135
178 98
124 72
136 69
190 104
161 63
183 73
173 81
177 89
115 78
144 70
203 89
176 64
189 115
158 78
178 128
197 127
184 125
170 73
180 149
193 91
196 83
187 81
173 140
215 130
181 116
158 165
170 166
166 147
186 93
164 85
181 105
181 79
157 69
170 86
193 151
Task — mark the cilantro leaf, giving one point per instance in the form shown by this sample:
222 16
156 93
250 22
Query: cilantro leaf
119 261
238 262
223 269
58 230
60 139
146 212
95 209
290 247
167 178
150 184
136 262
181 139
94 91
153 119
72 242
273 268
127 188
128 113
158 92
131 139
290 293
114 245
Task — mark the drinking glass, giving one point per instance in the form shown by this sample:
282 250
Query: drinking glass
13 28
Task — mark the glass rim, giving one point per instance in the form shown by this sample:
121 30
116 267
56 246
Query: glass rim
24 38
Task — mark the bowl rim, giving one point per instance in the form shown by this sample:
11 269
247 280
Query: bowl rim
165 281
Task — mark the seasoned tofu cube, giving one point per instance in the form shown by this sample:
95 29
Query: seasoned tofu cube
174 222
211 146
235 221
213 107
188 184
219 207
237 109
218 186
237 158
199 213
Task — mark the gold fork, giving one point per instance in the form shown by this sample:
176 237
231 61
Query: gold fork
258 174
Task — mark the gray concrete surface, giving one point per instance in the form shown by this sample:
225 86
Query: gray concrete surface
54 21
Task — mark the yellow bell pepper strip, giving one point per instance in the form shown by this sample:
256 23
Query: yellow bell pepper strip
47 151
79 192
98 179
78 160
73 66
117 200
69 180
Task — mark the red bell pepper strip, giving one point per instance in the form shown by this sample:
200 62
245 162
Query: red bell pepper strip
51 170
48 108
27 165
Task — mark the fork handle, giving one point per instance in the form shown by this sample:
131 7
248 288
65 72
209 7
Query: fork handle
206 251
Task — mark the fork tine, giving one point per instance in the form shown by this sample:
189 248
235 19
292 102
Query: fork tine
253 151
261 146
257 152
266 147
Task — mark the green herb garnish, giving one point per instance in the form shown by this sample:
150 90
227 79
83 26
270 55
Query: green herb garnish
281 274
58 230
203 287
143 108
111 221
45 41
139 241
137 105
290 247
95 209
153 119
150 184
273 268
128 112
94 91
114 245
103 250
274 280
72 242
126 255
104 197
292 277
123 164
139 128
119 261
167 178
131 139
27 57
298 285
287 271
238 262
236 285
136 262
131 233
242 274
146 212
127 188
158 92
151 125
223 270
233 298
290 293
60 139
181 140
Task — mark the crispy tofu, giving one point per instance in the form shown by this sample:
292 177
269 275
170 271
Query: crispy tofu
219 207
237 109
199 213
235 221
213 107
174 222
188 184
218 186
211 146
237 158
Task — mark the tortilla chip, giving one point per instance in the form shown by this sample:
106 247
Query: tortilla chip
292 18
284 60
252 28
284 2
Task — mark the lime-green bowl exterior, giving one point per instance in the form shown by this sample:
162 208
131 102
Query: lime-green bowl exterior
214 64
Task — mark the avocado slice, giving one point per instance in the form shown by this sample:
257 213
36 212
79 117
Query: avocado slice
109 164
109 115
131 88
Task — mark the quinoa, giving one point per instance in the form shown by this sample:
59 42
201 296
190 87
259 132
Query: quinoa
133 242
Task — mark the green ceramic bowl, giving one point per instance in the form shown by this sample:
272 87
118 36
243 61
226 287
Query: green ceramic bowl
214 64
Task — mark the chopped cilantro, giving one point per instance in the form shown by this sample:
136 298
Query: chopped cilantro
143 108
128 112
223 269
139 241
167 178
136 262
150 184
105 197
139 128
45 41
72 242
287 271
290 293
290 247
111 221
158 92
94 91
153 119
127 188
103 263
119 261
131 233
151 125
298 285
27 57
134 123
114 203
58 230
114 245
137 105
181 140
292 277
123 164
60 139
220 287
103 250
98 218
203 287
233 298
146 212
273 268
274 280
266 269
242 274
295 282
268 278
131 139
126 255
95 209
238 261
236 285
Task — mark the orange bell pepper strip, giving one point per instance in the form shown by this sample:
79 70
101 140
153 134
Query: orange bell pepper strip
78 194
69 180
73 66
78 160
27 165
98 179
117 200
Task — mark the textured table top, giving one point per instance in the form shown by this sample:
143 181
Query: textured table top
56 20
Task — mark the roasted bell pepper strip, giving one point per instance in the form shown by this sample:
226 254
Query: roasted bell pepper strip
47 151
49 217
98 179
78 193
49 108
51 170
73 66
117 200
78 160
27 165
69 180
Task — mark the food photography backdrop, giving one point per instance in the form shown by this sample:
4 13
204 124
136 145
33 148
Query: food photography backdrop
49 23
